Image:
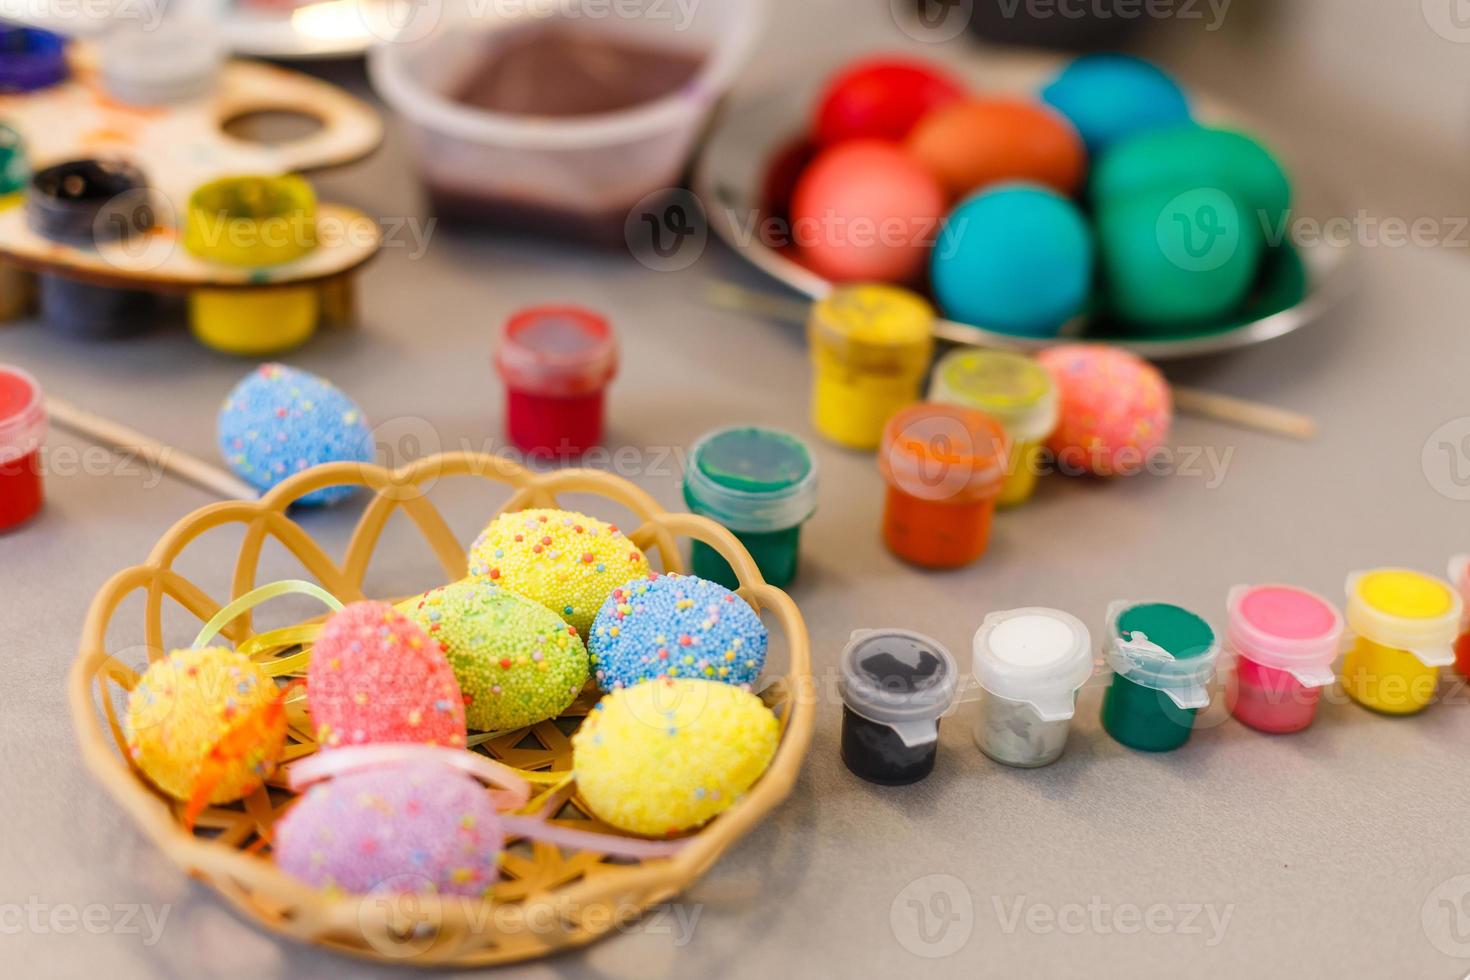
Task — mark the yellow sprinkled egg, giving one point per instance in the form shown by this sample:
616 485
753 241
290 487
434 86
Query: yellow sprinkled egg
196 702
566 561
670 754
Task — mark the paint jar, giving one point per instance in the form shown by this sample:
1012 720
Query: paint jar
30 59
762 485
556 362
1015 391
1029 664
895 684
1460 576
176 60
1162 658
870 347
85 203
1404 626
1284 641
17 286
22 431
254 223
944 466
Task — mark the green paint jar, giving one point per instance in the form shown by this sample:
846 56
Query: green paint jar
1162 657
762 485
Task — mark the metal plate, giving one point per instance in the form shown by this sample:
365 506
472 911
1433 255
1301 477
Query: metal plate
731 172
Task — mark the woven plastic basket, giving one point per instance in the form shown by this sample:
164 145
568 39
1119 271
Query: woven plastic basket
548 899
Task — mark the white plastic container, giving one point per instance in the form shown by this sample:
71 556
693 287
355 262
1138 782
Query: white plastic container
579 175
1029 664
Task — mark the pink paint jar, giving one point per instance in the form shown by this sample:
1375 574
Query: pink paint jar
1460 577
1285 641
22 431
556 362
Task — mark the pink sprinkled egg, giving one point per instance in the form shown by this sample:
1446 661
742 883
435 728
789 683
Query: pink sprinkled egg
1115 409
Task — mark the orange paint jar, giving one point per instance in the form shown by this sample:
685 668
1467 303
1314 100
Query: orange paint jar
944 466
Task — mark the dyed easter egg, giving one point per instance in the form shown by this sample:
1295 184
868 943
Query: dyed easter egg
973 144
676 626
193 701
1110 97
516 661
375 676
1016 258
1170 257
670 754
566 561
1115 409
396 829
280 420
1196 157
866 210
881 98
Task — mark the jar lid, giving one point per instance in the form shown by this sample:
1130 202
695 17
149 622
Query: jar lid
898 678
1405 610
251 220
88 201
30 59
1164 647
751 479
1287 628
22 414
1035 655
177 60
943 452
557 350
871 316
1011 388
14 172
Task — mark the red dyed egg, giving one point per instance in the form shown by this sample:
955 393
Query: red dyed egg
866 211
971 144
881 98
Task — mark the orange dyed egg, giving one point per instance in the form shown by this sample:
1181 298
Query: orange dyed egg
971 144
865 210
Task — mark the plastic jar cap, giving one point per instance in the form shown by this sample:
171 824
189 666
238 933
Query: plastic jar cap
1011 388
557 350
752 479
31 59
178 60
251 220
943 452
1287 628
1039 656
22 414
89 200
1165 647
898 678
1405 610
872 317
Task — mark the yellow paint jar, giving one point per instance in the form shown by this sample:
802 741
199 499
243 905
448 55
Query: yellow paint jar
870 347
1404 625
1015 391
255 223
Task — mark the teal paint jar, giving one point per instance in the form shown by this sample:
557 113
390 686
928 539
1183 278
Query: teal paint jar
759 483
1162 657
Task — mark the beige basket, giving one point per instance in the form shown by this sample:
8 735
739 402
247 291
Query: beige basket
548 899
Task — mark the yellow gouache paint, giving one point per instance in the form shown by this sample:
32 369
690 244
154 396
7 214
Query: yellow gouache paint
870 348
1405 624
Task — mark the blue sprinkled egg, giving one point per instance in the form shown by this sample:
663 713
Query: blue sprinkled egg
280 420
676 626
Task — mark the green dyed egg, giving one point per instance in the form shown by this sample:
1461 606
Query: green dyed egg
1171 258
1194 156
517 662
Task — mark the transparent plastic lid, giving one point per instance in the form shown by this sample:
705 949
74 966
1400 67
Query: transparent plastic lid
557 350
22 414
1011 388
1287 628
1460 578
752 479
1406 610
1035 655
898 678
176 60
943 453
1164 647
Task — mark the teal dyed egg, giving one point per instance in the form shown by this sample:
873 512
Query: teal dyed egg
1110 97
1016 258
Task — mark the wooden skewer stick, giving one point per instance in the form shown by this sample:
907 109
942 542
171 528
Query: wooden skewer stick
119 437
1190 401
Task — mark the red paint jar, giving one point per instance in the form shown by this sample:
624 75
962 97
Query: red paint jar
1285 641
22 431
556 362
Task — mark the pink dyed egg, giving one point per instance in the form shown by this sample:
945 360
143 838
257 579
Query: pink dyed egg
376 676
1115 407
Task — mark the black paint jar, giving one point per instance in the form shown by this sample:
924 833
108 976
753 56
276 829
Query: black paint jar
895 685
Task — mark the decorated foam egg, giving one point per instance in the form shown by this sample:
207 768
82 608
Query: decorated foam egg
881 98
566 561
1186 157
978 142
207 716
516 661
668 755
866 210
375 676
1110 97
676 626
1017 258
1115 409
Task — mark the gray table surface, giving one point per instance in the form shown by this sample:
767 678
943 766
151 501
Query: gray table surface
1339 851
